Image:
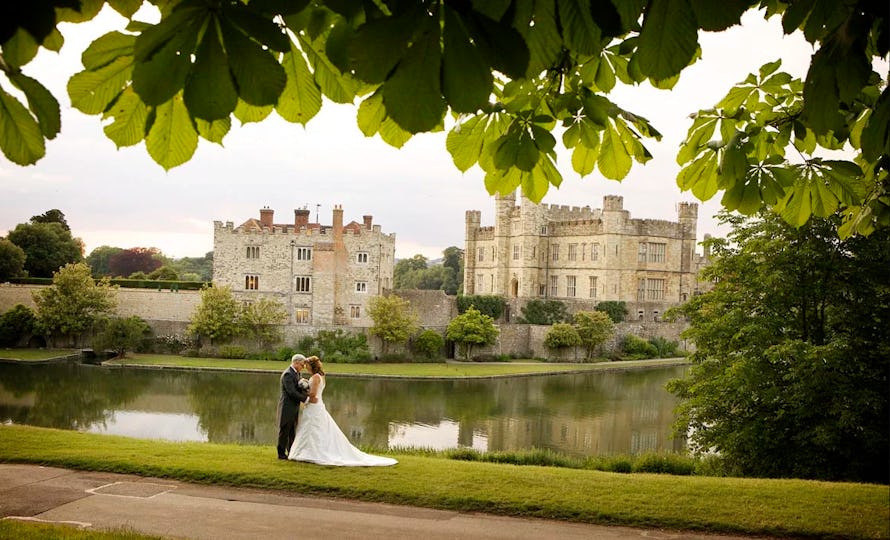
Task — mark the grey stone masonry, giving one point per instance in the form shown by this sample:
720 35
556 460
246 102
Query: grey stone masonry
322 274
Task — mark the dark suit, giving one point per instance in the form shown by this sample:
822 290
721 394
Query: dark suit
288 409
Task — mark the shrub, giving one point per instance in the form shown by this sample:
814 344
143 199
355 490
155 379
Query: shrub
15 324
336 346
232 351
490 305
562 336
617 310
429 344
635 348
664 464
121 335
544 312
173 343
665 347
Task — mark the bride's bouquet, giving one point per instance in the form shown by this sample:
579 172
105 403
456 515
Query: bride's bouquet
303 384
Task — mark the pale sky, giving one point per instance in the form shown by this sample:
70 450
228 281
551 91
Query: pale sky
122 198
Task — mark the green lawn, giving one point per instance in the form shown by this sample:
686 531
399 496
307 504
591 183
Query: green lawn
724 505
441 369
35 354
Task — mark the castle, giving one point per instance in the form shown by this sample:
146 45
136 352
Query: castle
583 256
322 274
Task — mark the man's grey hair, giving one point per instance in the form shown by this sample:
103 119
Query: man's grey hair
297 358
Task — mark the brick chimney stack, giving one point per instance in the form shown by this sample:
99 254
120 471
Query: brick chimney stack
266 214
338 222
301 218
368 220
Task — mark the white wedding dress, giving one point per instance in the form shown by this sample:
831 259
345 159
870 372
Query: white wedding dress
319 440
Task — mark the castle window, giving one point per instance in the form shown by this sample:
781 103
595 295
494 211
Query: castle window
516 253
253 252
650 289
656 252
355 311
594 252
554 252
543 229
641 255
361 257
361 286
301 315
491 284
478 289
593 286
542 290
554 289
493 254
573 252
302 284
570 286
534 252
583 250
304 254
481 254
251 282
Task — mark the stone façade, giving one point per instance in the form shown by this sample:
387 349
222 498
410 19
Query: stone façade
583 256
322 274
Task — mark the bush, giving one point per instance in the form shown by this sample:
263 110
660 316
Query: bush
616 310
15 324
664 464
336 346
637 348
665 347
173 343
544 312
429 344
121 335
231 351
490 305
562 336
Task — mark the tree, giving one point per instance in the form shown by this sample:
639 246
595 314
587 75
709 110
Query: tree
537 311
137 259
594 328
453 258
260 320
429 343
164 273
52 216
216 317
511 72
74 302
12 260
120 335
472 328
47 247
404 276
562 336
616 310
394 320
16 323
791 364
99 259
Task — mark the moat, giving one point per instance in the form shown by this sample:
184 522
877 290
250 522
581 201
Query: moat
581 414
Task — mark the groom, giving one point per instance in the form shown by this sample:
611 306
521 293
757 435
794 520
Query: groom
292 394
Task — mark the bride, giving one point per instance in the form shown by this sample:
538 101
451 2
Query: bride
319 439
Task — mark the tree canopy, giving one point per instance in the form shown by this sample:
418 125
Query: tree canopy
47 246
74 302
792 360
511 79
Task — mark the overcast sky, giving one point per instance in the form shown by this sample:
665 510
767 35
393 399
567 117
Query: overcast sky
122 198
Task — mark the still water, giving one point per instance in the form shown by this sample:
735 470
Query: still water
588 414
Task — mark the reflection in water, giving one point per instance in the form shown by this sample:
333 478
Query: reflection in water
587 414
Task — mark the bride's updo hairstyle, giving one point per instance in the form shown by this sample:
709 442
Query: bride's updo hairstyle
315 365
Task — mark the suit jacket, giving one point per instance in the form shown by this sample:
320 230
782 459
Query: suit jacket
291 396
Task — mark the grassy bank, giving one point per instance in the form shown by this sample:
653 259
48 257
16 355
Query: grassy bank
35 354
728 505
30 530
442 369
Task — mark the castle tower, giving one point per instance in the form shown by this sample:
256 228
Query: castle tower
503 234
472 220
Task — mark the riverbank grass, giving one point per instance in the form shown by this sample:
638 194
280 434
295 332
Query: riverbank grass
726 505
420 370
35 354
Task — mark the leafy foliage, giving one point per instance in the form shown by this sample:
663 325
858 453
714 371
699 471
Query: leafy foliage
121 335
616 310
14 324
74 302
394 320
537 311
792 358
12 260
259 320
562 336
429 343
417 273
511 73
138 259
99 258
490 305
336 346
594 328
47 247
472 328
216 317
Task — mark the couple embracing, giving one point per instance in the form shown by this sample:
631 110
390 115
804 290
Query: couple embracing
314 436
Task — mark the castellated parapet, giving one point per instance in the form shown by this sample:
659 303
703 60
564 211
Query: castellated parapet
584 255
322 274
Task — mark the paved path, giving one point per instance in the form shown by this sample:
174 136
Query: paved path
96 500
